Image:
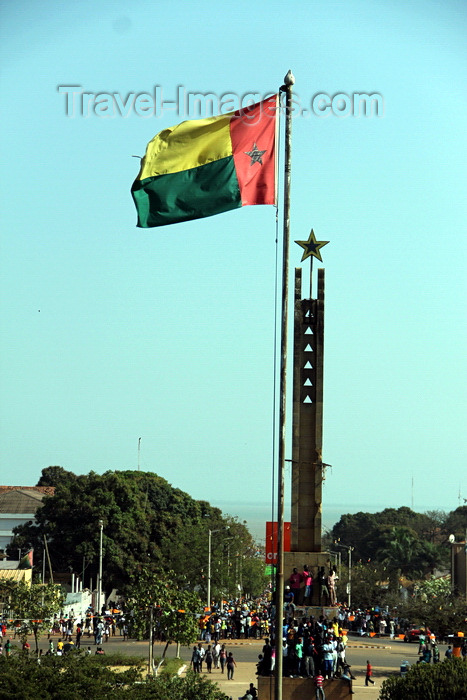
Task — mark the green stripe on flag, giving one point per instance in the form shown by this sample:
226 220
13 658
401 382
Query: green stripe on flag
191 194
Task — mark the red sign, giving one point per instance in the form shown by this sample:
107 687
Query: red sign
271 541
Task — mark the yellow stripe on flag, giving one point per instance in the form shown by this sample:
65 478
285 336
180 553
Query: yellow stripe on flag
187 145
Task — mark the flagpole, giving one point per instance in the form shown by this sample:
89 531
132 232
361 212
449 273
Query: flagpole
289 80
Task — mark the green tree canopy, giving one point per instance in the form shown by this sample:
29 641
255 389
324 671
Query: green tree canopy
56 476
434 681
146 522
398 538
175 608
33 606
456 523
75 677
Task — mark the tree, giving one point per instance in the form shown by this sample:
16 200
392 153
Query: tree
439 588
174 606
399 554
31 606
147 522
435 681
367 584
443 612
456 523
404 554
193 686
436 526
56 476
395 536
74 677
355 530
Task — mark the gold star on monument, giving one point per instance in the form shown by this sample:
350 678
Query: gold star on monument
312 247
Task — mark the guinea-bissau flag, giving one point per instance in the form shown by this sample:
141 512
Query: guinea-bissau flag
207 166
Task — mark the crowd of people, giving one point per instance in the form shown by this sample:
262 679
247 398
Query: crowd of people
71 631
312 647
309 647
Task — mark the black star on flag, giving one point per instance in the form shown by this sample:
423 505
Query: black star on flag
312 247
255 155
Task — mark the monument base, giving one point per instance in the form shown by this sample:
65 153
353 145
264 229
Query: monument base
303 688
305 612
313 560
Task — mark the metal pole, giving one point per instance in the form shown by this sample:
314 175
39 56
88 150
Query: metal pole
453 586
51 576
99 587
289 80
151 613
209 568
349 599
241 576
228 570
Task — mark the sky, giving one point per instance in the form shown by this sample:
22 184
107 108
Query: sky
110 333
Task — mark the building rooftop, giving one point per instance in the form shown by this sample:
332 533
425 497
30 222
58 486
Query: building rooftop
46 490
16 575
23 499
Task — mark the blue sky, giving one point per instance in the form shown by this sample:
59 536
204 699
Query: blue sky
110 333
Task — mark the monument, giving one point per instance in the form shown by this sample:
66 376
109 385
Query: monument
307 435
307 472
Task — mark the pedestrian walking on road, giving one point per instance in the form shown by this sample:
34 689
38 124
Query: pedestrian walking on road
195 659
369 671
230 666
208 659
202 653
319 680
222 657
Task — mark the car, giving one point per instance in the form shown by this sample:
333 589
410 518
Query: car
413 635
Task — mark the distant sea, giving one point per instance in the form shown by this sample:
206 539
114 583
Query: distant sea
257 513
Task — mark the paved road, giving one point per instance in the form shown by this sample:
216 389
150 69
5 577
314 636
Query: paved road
385 655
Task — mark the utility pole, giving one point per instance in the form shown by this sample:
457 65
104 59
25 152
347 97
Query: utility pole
151 649
349 549
99 587
209 569
289 80
48 559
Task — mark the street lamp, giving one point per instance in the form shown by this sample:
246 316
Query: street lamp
349 585
338 556
211 532
99 587
226 540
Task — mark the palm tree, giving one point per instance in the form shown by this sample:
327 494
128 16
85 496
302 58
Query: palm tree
401 555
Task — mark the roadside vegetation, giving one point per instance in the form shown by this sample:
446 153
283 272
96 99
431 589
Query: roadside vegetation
76 676
443 681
